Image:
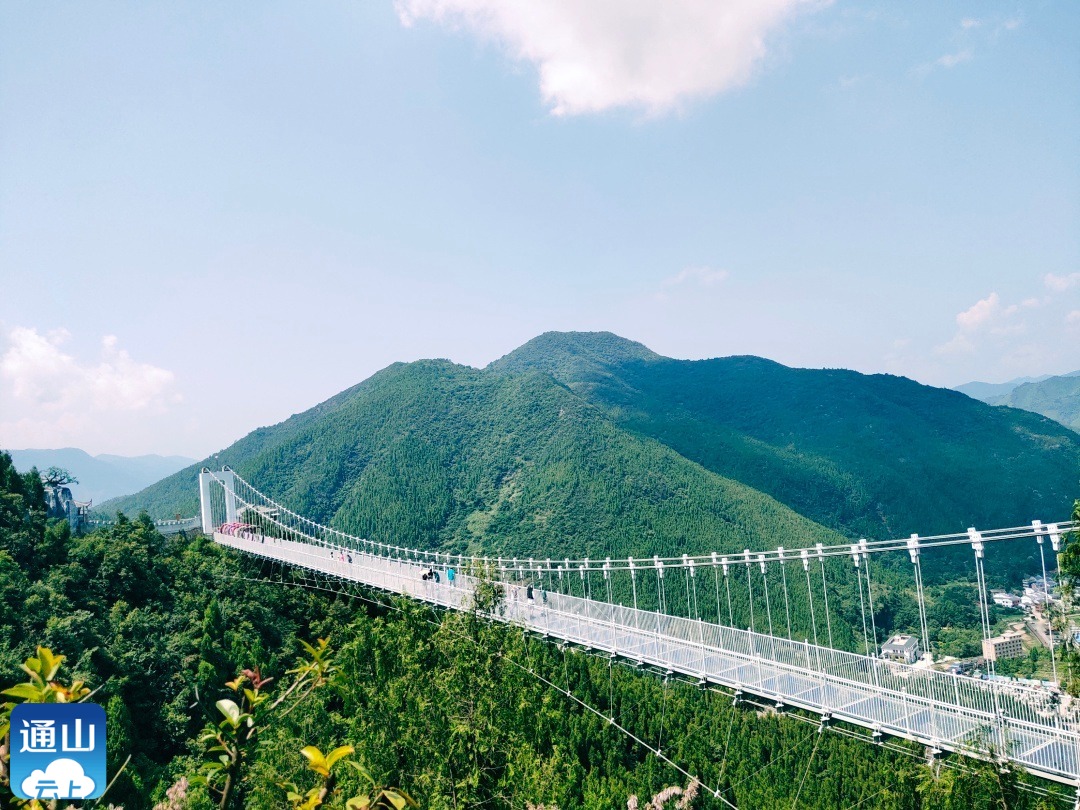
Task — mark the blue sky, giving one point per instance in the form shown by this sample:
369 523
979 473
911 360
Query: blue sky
213 216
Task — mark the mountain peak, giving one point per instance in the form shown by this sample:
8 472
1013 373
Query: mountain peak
560 352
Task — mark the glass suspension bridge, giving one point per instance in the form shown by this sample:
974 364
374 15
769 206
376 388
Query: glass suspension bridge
755 622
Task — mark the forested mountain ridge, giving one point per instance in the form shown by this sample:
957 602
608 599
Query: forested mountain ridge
988 391
873 455
1056 398
443 456
589 443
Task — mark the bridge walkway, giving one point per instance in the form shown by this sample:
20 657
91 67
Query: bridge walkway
944 711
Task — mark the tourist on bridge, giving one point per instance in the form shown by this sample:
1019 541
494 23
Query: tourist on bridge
450 574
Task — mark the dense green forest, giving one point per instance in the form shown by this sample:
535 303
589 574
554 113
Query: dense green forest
867 455
455 711
435 455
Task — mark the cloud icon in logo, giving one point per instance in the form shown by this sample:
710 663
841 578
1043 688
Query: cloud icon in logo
61 779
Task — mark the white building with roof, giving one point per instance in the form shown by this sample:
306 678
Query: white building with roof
1005 599
901 647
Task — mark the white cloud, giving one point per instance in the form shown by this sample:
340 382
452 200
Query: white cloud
703 276
960 344
62 779
997 340
696 278
41 374
951 60
1061 283
603 54
35 366
973 34
851 82
979 313
51 396
988 316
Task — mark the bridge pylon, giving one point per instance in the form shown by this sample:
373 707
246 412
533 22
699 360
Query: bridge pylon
227 479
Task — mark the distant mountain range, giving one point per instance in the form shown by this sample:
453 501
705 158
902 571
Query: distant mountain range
103 476
987 391
1055 397
590 443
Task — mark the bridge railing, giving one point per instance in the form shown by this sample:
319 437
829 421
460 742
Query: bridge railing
957 709
940 709
163 526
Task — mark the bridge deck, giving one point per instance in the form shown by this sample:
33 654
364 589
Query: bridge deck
944 711
163 526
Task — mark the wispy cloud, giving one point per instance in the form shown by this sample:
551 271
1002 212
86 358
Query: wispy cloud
49 396
971 35
1060 284
644 54
986 316
697 277
703 276
40 373
951 60
1036 334
851 82
979 313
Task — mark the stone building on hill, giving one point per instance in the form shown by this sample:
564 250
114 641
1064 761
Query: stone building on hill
61 504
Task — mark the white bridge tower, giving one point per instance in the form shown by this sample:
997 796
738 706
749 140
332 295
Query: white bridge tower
206 480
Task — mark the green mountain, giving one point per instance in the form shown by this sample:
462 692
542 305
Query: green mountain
1055 397
591 445
587 442
990 391
872 455
443 456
